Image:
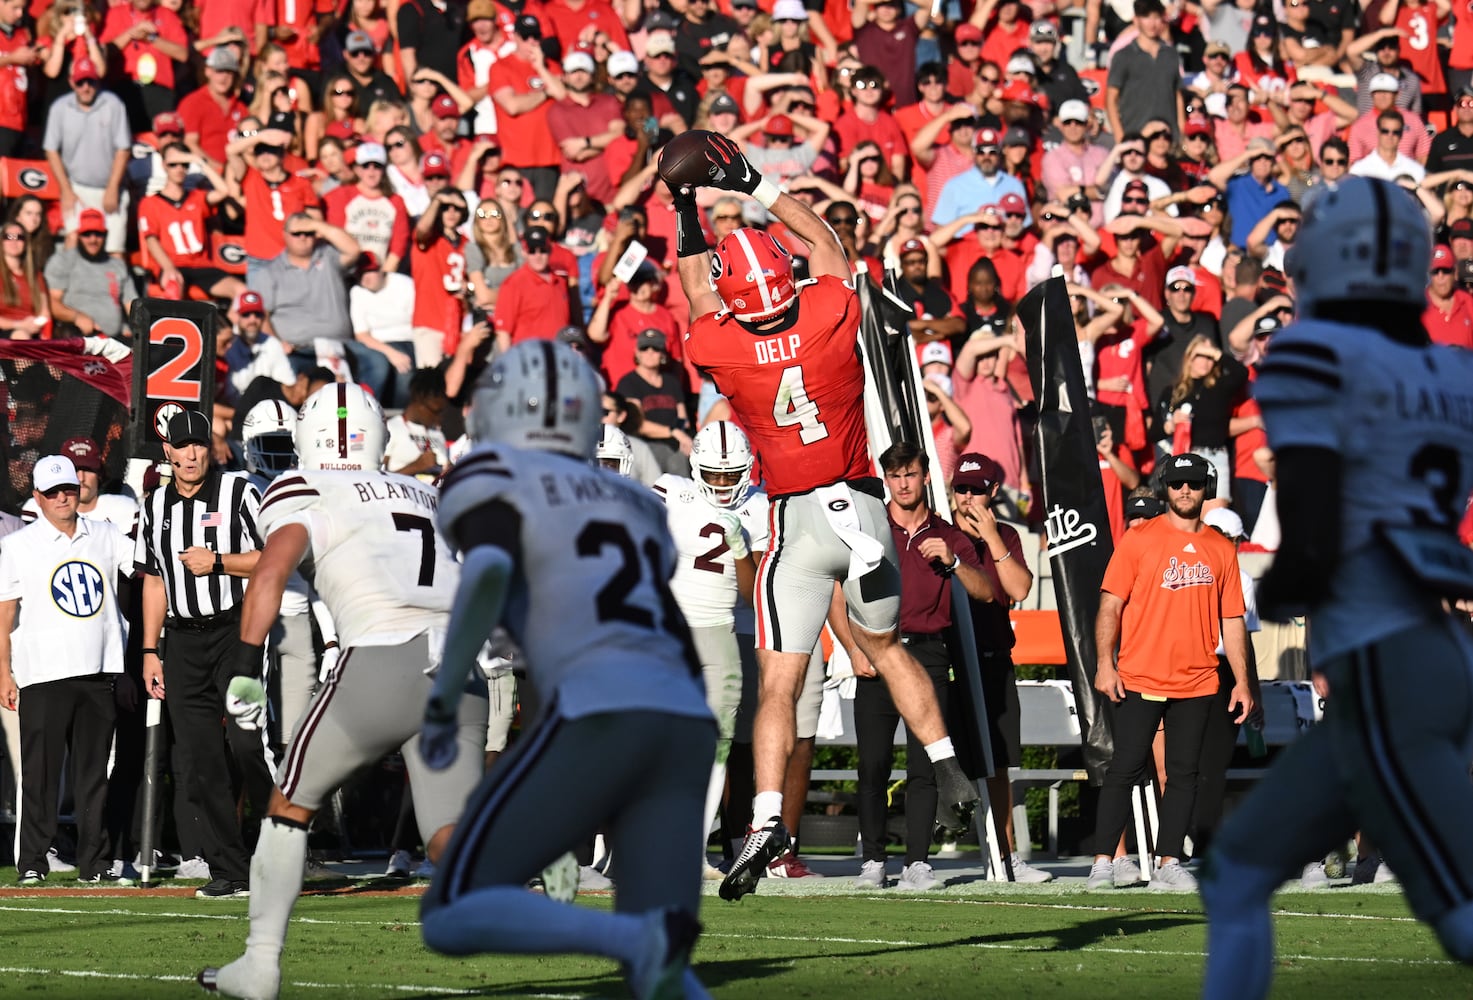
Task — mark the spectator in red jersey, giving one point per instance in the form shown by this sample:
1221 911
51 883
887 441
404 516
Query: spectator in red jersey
151 39
441 136
173 226
869 180
533 304
213 111
1120 381
888 42
16 54
258 180
616 326
866 121
584 123
25 307
964 69
297 26
438 267
985 240
63 45
1005 27
525 85
1142 245
1449 314
223 21
369 209
492 255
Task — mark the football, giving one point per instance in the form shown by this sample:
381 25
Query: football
683 161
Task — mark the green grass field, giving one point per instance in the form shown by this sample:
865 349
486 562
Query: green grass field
966 941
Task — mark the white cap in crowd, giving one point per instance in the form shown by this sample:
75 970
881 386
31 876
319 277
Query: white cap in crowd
53 471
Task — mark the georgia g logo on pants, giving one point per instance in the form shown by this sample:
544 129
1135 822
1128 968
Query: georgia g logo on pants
77 589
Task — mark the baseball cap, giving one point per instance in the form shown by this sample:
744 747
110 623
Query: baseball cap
659 45
1262 146
1074 111
168 123
250 303
434 165
1443 257
537 239
744 3
912 246
53 471
1018 90
86 69
621 63
1188 468
1462 229
1012 204
977 471
1181 274
1383 83
573 335
789 10
444 106
725 104
1225 520
1197 124
359 41
368 261
1017 135
222 58
937 352
650 338
480 10
779 125
574 61
661 20
91 221
1136 186
968 32
1042 30
370 152
1022 64
1267 326
1217 49
189 426
84 453
987 138
528 28
1144 508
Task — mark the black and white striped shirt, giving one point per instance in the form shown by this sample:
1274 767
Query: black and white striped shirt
220 517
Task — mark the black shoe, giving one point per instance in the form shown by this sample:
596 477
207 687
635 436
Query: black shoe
956 797
223 888
764 845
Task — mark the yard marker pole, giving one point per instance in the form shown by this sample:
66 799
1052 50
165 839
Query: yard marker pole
152 742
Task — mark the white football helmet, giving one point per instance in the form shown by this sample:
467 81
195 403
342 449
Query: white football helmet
720 448
614 450
342 427
268 436
541 395
1362 240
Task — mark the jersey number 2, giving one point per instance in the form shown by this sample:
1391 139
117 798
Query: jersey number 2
613 597
792 406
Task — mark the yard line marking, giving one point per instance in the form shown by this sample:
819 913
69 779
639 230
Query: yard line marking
119 912
392 987
961 901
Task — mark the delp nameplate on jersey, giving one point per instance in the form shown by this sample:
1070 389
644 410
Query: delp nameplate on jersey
1434 557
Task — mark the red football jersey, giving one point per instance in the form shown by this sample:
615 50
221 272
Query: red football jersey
798 393
268 205
179 227
439 287
14 82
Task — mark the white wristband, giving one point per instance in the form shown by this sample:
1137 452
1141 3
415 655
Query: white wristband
766 193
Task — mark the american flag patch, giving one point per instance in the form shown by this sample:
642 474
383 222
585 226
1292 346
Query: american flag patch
356 441
214 519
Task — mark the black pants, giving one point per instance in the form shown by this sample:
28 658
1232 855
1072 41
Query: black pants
73 714
1218 743
196 675
1136 721
875 719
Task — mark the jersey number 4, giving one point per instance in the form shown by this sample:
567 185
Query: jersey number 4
613 602
792 406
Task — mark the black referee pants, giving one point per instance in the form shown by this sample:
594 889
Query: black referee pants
197 667
875 719
74 713
1136 722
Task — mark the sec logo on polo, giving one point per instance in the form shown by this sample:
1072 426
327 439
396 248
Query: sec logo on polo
77 589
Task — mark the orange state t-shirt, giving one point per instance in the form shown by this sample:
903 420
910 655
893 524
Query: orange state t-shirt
1177 587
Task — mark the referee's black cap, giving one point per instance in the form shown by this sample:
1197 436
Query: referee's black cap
189 427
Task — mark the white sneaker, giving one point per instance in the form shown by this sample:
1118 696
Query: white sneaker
193 868
401 863
710 873
313 871
871 876
1024 872
242 978
1125 872
1101 875
1383 874
55 864
1315 876
918 877
590 879
1173 878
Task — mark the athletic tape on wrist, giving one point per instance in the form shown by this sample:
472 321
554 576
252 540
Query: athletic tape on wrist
766 192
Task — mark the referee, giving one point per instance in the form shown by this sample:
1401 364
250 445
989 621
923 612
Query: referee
196 546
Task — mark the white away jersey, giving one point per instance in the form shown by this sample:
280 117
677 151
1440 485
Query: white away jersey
705 583
377 561
1401 418
590 601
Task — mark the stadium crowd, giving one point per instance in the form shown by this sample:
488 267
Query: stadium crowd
393 192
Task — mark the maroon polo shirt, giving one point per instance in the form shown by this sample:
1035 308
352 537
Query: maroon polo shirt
991 624
925 591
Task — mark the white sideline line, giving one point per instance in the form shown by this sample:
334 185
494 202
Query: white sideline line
118 912
391 987
959 901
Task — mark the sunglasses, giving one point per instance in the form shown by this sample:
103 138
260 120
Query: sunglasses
988 150
538 251
802 106
342 93
989 79
488 213
355 53
369 165
1338 161
990 227
1301 100
57 491
515 181
968 491
910 210
396 144
974 45
1133 152
452 206
930 81
1182 286
652 347
1289 221
844 220
1390 131
1194 487
176 166
867 85
301 235
99 233
15 237
1156 135
727 217
542 214
1135 201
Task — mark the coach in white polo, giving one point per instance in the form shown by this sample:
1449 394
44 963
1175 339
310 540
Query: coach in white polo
62 637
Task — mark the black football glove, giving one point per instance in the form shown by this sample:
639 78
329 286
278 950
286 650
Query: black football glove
733 172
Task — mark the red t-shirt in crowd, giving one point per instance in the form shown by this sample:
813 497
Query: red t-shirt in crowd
532 306
439 287
268 206
526 140
378 222
180 227
1453 327
625 324
14 81
142 61
567 119
205 117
